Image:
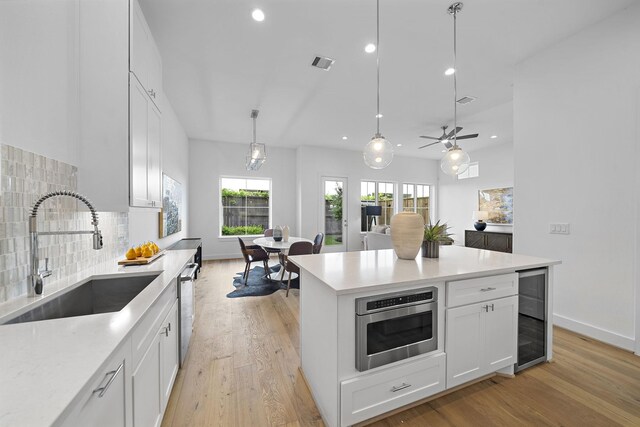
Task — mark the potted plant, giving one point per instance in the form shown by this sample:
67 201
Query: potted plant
434 235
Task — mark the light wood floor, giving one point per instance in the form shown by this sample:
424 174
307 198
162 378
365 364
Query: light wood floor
242 370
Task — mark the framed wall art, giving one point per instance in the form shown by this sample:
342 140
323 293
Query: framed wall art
498 202
171 214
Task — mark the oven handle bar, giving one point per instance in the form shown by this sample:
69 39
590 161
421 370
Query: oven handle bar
189 273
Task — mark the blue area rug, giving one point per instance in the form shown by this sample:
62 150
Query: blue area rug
259 285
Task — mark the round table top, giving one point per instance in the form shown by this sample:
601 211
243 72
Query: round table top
268 242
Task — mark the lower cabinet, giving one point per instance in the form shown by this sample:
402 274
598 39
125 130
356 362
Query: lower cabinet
107 402
373 394
492 241
154 376
481 339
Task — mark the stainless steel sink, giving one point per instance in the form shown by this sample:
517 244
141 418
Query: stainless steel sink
93 297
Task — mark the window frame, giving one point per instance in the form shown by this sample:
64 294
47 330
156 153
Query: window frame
415 197
220 207
377 192
465 174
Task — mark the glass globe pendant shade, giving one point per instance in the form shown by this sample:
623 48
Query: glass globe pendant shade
455 162
378 153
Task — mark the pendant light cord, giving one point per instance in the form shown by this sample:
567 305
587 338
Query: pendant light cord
378 64
455 81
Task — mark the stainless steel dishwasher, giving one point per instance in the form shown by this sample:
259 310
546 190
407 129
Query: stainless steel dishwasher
186 308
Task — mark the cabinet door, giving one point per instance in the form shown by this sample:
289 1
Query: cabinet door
138 128
500 324
474 239
498 242
169 346
464 343
139 45
146 388
108 401
155 72
153 151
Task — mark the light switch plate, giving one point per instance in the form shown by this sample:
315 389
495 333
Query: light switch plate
559 228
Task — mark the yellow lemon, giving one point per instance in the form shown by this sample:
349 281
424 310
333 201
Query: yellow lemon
138 250
131 254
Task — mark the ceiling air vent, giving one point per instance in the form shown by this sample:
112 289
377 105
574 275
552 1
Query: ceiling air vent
322 62
466 100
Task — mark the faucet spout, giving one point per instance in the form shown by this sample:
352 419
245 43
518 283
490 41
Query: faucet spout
37 275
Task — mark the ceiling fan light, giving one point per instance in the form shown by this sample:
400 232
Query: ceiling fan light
455 162
378 153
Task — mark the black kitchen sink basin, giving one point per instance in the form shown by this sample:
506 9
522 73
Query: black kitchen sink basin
93 297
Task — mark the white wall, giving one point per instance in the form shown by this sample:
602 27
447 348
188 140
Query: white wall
208 161
143 222
575 150
39 81
316 162
459 198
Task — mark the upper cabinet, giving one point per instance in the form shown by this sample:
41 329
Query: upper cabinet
145 61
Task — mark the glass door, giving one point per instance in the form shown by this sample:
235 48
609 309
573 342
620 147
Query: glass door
334 214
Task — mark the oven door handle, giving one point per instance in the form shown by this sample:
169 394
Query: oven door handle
189 273
398 312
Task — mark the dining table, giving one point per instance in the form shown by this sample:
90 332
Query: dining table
268 242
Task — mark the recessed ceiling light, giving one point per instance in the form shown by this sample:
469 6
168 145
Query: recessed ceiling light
344 138
398 145
493 136
370 48
379 116
257 15
449 71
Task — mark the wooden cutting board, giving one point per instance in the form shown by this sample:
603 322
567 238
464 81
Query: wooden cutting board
141 260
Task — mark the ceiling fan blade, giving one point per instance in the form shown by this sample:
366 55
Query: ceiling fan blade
428 145
475 135
429 137
458 129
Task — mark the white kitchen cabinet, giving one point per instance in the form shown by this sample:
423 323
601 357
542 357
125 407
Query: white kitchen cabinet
107 401
481 339
154 376
145 146
145 60
169 359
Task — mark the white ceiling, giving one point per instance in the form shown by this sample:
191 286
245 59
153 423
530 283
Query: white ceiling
219 64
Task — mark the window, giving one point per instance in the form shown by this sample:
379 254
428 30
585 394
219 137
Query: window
415 198
473 171
376 194
246 206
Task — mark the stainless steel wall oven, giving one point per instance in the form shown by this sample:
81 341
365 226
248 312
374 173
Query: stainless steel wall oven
395 326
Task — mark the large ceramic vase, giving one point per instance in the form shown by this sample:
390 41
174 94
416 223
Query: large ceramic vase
407 229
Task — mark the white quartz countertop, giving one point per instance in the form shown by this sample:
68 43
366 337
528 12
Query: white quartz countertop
350 272
45 364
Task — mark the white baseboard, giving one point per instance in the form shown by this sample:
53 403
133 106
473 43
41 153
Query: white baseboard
211 257
594 332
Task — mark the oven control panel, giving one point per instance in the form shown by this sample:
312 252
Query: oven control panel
400 300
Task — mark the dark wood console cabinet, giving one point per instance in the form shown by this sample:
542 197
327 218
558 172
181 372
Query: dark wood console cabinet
490 240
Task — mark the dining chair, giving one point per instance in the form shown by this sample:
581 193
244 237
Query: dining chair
317 243
269 233
298 248
253 253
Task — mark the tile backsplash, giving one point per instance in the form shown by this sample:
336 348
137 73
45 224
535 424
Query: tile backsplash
24 177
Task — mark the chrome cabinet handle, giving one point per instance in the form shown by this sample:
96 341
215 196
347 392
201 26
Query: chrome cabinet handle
487 289
169 326
152 93
485 308
114 374
165 331
492 308
399 387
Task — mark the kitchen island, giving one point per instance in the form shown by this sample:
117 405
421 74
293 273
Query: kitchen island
469 324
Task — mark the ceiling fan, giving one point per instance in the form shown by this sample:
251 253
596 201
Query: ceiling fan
446 138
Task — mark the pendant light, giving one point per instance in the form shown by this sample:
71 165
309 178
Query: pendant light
456 160
378 153
257 152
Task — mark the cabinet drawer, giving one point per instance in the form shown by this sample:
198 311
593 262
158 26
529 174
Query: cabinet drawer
146 331
460 292
374 394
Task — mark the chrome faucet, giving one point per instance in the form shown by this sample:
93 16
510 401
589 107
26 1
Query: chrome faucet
37 275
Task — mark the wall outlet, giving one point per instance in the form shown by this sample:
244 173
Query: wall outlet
561 228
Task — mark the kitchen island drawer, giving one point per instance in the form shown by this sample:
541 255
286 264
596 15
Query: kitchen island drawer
461 292
373 394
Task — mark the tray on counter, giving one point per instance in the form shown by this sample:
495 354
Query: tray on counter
141 260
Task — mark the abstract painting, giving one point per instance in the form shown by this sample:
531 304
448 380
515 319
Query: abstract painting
499 203
171 214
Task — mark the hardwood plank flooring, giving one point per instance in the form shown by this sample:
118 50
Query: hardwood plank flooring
242 370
